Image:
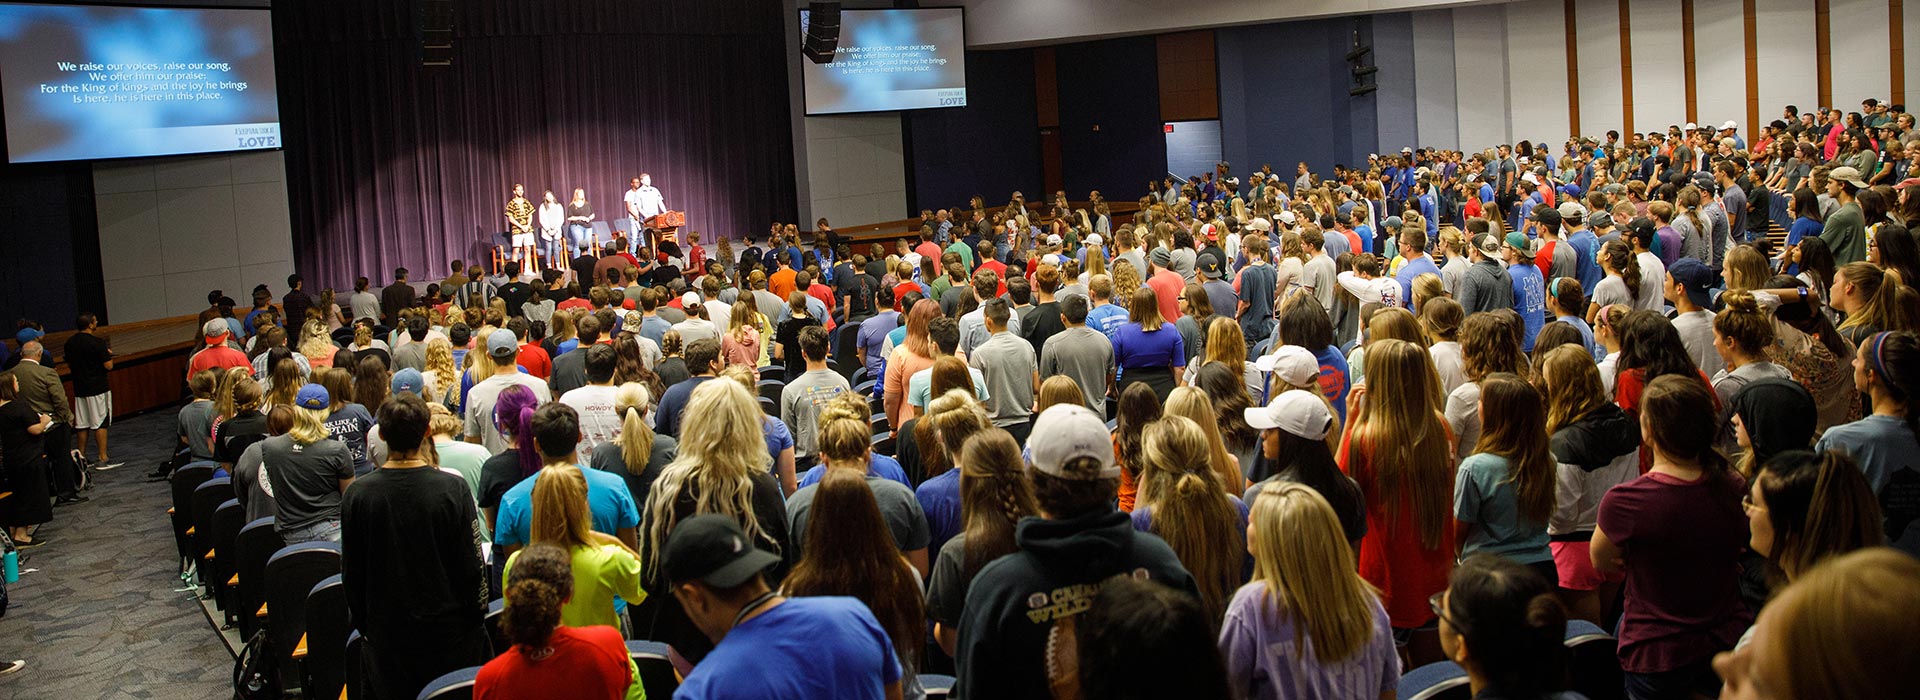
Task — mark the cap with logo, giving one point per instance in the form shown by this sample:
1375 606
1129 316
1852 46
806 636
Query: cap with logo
712 549
1292 365
1694 276
312 396
408 379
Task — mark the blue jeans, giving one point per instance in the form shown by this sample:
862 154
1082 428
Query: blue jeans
556 250
577 236
323 531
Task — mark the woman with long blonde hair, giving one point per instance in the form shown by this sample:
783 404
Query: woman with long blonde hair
940 436
1227 345
285 380
741 344
1183 501
1307 616
1398 448
1193 404
603 567
1598 449
639 454
722 467
316 345
440 377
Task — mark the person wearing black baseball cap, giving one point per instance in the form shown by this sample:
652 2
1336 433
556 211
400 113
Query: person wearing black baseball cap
767 645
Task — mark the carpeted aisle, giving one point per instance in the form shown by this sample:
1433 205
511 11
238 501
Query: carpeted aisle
100 618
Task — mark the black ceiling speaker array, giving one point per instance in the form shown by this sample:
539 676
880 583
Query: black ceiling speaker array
823 31
436 32
1363 79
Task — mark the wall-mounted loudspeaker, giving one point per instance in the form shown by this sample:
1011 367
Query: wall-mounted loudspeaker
823 32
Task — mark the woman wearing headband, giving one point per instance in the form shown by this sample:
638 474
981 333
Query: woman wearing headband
1887 370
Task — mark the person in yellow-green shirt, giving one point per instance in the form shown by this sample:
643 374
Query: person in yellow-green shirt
603 566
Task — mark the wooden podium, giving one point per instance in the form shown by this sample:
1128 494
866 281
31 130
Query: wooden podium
665 226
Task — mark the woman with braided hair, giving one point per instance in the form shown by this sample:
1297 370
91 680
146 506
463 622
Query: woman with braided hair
994 497
550 659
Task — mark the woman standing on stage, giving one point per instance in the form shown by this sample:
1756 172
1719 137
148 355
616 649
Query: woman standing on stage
579 222
552 215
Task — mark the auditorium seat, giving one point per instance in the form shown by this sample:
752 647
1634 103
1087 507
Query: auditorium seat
846 349
457 685
253 546
351 669
936 685
496 627
863 387
1444 680
773 371
207 498
227 521
858 378
654 659
183 481
883 444
878 422
1593 662
291 574
323 670
770 407
770 389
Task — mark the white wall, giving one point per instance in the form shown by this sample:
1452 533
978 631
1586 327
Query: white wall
1789 71
1720 63
1480 80
855 167
1861 69
172 229
1537 71
1434 79
1659 75
1597 36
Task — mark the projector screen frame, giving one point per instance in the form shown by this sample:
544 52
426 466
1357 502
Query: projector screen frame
799 56
262 6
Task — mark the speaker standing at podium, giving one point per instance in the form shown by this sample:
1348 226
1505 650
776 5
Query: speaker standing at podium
644 202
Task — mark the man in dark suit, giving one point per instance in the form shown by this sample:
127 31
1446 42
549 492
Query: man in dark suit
397 297
40 388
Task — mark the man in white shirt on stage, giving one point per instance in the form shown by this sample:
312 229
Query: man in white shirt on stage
644 202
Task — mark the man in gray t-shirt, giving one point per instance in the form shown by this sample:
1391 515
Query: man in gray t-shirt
1080 353
802 398
1010 369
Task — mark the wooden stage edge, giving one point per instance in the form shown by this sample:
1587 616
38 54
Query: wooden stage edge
149 364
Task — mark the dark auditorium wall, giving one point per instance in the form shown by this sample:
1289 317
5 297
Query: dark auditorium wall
1113 85
1283 97
990 147
51 246
391 163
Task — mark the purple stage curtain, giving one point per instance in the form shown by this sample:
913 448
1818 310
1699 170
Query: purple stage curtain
391 164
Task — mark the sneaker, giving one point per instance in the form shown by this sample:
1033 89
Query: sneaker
99 467
30 545
70 500
16 665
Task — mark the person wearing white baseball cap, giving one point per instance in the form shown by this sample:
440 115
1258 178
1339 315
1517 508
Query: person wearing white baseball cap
1292 366
1078 541
1845 230
1297 437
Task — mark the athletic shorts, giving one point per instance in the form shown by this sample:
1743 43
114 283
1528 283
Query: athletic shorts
1574 561
522 240
93 412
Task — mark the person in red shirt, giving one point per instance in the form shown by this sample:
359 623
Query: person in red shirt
781 283
549 660
813 288
928 249
1167 285
532 356
217 356
1397 447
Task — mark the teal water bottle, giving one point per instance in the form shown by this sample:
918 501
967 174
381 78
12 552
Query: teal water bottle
10 566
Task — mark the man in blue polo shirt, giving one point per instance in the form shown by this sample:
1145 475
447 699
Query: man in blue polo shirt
556 432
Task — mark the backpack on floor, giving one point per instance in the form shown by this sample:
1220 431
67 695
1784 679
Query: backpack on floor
254 674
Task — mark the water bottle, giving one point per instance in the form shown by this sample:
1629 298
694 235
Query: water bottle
10 566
